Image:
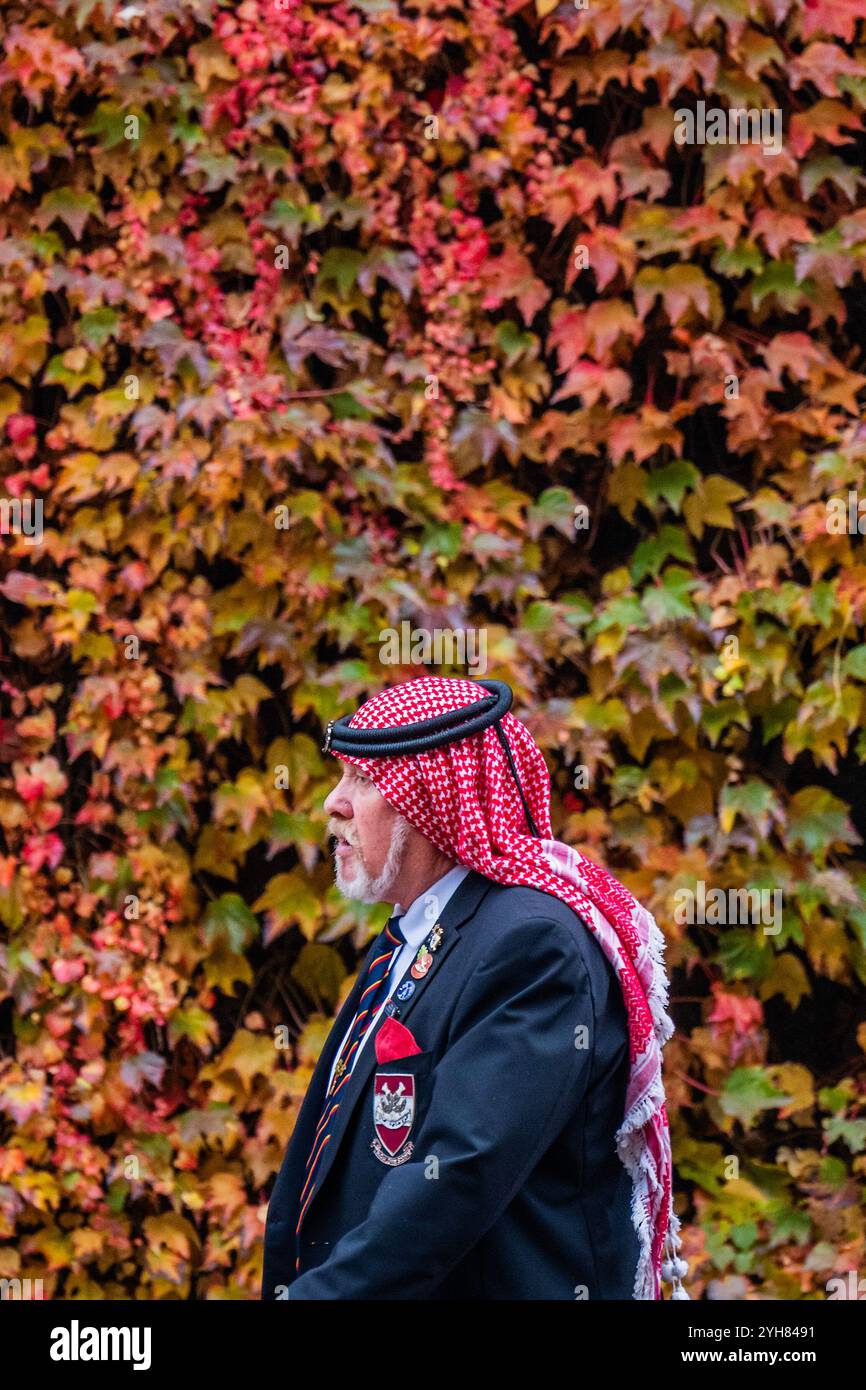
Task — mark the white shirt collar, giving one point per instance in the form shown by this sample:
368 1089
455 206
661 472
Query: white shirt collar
417 920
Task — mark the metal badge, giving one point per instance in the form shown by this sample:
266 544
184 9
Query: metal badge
421 964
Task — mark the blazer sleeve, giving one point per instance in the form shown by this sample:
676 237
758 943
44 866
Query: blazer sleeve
517 1064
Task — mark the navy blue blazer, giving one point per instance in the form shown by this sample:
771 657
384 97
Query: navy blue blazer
512 1187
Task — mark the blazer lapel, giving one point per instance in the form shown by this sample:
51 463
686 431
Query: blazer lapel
458 910
456 914
310 1112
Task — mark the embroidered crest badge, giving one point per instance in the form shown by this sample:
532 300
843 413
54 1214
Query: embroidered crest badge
393 1116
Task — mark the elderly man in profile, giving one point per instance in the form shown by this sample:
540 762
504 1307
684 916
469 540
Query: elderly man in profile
486 1120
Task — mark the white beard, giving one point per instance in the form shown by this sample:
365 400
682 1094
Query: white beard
360 886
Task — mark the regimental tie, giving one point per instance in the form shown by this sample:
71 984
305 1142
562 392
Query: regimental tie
374 994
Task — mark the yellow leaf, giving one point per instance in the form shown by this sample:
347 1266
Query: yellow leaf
827 947
796 1082
87 1242
55 1248
10 400
209 60
289 899
41 1190
170 1241
249 1054
708 506
313 1038
217 851
627 487
319 971
226 1193
223 969
787 978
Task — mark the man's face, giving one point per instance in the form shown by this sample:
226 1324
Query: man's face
370 836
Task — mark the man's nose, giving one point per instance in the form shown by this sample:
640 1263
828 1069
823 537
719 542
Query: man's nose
338 802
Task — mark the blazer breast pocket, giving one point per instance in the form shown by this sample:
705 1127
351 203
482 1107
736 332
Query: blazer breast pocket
400 1096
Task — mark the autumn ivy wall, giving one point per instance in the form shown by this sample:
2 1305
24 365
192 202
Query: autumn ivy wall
321 318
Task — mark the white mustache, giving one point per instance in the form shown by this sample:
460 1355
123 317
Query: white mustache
343 832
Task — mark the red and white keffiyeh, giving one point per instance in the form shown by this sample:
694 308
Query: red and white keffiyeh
463 798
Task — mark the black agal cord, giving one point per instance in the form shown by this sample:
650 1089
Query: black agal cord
403 740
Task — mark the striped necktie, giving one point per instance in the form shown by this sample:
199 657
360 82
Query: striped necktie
373 994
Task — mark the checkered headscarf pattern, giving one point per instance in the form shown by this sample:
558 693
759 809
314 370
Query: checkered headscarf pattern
462 797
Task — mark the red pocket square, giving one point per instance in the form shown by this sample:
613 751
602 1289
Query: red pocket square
393 1041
